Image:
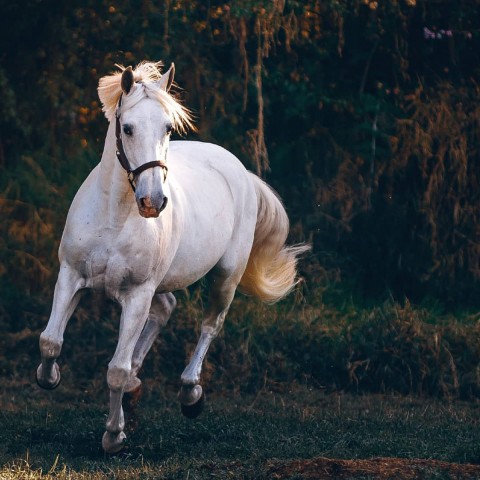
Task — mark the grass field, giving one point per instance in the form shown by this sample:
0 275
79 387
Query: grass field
273 411
294 434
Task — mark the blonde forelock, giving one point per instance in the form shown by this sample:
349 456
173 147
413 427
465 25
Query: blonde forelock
148 74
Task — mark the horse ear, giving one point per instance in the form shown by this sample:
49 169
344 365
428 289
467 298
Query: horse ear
127 80
167 78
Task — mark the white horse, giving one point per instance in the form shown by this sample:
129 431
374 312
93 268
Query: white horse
153 217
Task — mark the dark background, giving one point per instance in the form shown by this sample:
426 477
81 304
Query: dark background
364 116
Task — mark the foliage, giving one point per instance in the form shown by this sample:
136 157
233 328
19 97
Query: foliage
390 348
335 102
362 114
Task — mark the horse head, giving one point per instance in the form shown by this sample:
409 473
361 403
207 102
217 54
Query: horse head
145 115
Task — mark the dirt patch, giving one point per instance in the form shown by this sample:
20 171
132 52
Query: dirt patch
376 468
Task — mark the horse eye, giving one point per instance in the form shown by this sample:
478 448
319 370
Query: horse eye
127 129
169 128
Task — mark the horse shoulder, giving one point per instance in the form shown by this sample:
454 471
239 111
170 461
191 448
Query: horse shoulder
85 240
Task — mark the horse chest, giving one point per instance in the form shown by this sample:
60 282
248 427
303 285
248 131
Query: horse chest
112 262
123 272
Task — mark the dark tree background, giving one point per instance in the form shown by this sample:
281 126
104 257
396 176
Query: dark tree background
364 115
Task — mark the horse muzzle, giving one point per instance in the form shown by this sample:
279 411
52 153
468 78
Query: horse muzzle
149 207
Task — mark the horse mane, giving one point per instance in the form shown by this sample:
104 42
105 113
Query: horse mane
148 73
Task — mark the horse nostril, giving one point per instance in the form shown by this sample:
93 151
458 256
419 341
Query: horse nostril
164 204
145 202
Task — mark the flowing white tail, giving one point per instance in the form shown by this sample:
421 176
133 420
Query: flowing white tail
271 271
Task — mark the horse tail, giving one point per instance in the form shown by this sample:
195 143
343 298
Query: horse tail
271 271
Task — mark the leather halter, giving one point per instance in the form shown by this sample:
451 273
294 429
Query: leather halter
122 157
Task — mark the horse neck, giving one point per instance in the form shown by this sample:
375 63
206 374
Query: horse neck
117 195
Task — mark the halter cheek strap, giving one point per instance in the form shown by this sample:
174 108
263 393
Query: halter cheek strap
122 157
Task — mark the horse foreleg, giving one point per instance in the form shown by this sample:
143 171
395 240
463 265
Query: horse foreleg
65 299
160 311
135 309
191 393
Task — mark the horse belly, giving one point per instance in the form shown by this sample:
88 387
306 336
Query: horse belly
181 276
196 256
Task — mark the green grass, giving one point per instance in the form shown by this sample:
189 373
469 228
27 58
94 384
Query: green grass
57 434
272 380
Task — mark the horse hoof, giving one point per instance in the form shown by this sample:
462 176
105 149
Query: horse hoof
194 410
48 384
113 442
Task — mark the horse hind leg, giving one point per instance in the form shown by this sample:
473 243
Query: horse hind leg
65 299
160 311
221 295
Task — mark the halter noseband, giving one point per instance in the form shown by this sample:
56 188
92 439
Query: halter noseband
122 157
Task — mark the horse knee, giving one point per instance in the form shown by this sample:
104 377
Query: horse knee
117 377
171 302
49 346
162 308
136 364
167 303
